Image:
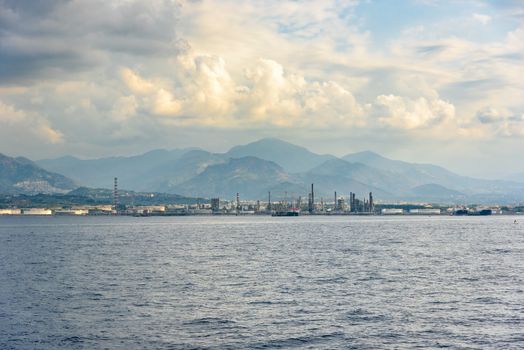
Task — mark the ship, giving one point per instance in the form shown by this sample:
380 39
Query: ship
482 212
460 212
290 212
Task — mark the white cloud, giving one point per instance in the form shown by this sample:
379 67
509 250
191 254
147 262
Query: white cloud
25 126
135 83
204 92
49 134
10 115
481 18
402 113
501 122
165 104
489 115
515 40
124 108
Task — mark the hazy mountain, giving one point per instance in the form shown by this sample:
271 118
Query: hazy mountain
253 177
414 174
326 185
132 171
376 161
434 192
286 170
165 177
250 176
292 158
20 175
360 173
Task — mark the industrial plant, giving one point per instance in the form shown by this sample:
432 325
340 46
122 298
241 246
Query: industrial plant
276 204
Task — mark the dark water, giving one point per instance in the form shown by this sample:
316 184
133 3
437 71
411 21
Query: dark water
261 283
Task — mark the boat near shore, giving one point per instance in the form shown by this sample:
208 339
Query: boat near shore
291 212
463 212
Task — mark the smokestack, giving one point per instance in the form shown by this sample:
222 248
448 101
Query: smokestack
312 197
115 194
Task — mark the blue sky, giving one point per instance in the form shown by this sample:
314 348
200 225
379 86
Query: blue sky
416 80
387 19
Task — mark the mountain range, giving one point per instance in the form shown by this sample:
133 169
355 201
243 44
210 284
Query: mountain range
285 169
22 176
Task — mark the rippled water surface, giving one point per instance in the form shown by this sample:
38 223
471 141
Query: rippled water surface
259 282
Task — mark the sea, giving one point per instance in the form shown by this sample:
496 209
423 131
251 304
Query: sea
307 282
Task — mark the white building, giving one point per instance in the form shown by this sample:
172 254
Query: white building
392 211
71 211
10 211
37 211
201 211
149 209
426 211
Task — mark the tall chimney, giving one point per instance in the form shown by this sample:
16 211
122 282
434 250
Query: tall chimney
115 194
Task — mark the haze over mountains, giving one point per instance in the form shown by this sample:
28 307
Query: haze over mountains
285 169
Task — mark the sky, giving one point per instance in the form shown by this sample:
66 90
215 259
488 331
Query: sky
419 80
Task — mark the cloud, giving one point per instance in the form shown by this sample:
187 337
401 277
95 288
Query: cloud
52 39
10 115
288 99
501 122
134 82
489 115
481 18
25 126
165 104
208 85
49 134
402 113
515 40
124 108
204 92
133 75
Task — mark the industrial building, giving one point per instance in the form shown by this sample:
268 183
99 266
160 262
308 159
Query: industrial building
426 211
392 211
215 204
10 211
37 211
71 211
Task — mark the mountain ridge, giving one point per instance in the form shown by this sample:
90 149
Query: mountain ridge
19 175
360 172
275 150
